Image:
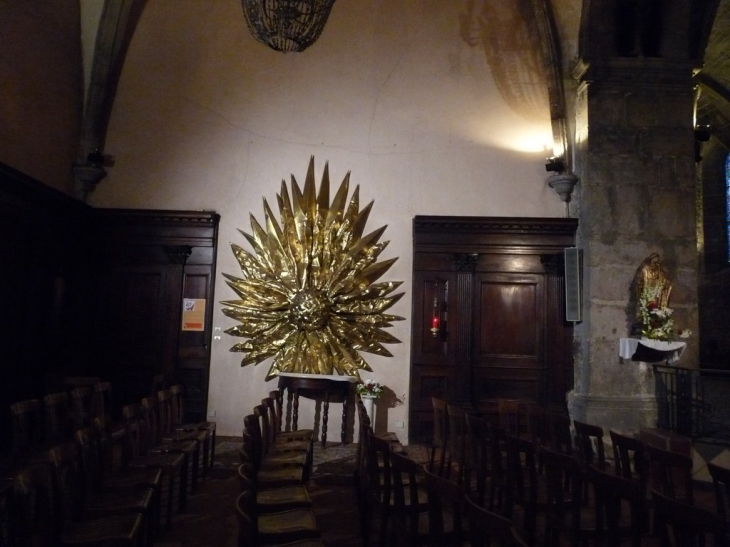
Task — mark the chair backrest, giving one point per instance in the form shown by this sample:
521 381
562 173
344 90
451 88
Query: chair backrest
440 422
165 410
684 525
267 431
252 427
404 473
445 504
247 520
561 437
478 450
81 406
27 427
67 479
721 484
102 401
631 459
150 421
133 436
498 465
513 416
486 527
563 483
589 439
58 419
613 493
671 474
521 475
378 466
178 404
457 440
538 427
31 521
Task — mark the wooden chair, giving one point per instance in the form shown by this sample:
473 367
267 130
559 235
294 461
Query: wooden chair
564 502
273 500
561 437
680 524
380 485
614 493
498 467
478 454
671 474
440 435
631 459
256 528
721 486
81 398
457 444
446 527
513 416
43 516
589 440
153 443
522 489
112 473
179 423
102 404
304 443
486 526
268 477
277 460
281 432
167 434
410 505
298 452
75 463
174 465
57 418
27 426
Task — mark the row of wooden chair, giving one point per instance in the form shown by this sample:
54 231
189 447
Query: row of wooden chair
526 466
413 504
101 470
274 507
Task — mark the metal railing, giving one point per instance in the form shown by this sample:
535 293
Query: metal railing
692 402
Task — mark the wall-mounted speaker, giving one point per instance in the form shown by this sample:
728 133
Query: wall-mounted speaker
573 284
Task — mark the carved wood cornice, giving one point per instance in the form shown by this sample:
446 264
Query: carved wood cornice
495 225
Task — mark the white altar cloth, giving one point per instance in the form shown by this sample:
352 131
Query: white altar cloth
665 351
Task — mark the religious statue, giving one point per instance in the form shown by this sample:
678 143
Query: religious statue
653 288
652 279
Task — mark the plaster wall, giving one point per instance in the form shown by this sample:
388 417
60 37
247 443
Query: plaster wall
41 89
207 118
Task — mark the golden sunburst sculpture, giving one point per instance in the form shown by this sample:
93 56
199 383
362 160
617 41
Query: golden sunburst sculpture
308 294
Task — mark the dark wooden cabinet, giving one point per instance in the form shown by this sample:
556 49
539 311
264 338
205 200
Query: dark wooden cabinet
98 292
151 262
496 289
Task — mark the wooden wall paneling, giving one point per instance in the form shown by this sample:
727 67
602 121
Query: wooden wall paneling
177 250
43 243
507 336
433 370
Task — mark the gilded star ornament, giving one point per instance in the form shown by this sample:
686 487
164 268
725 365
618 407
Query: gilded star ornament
308 294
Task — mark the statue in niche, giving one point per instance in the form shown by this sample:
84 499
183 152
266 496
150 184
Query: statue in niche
652 289
651 277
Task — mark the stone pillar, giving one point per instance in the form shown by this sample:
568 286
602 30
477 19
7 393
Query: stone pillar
635 160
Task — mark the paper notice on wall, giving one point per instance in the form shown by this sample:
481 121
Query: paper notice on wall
193 315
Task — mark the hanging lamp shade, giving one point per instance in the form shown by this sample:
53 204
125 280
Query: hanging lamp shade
287 25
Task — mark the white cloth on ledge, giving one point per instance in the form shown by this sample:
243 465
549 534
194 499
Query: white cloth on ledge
666 351
334 377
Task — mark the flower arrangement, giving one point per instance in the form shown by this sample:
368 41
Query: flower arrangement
369 388
655 320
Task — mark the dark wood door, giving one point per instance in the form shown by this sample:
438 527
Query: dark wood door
498 287
509 331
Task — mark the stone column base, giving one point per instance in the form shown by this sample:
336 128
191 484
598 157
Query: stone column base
625 415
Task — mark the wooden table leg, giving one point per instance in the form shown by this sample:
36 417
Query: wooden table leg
344 418
295 411
325 417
